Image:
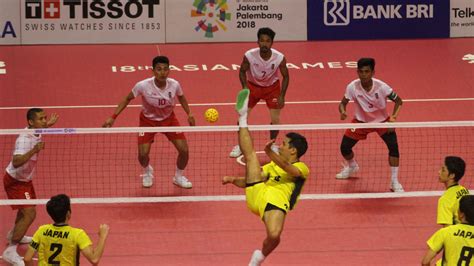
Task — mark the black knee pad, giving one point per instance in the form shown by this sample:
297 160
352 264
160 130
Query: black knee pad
346 145
392 144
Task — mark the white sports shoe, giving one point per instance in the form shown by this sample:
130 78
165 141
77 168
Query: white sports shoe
347 171
11 256
147 180
24 240
235 152
182 181
275 148
396 187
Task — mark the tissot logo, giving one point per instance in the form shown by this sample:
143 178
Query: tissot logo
96 9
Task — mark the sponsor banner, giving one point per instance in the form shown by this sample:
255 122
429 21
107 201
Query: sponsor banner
9 23
234 20
462 18
92 21
375 19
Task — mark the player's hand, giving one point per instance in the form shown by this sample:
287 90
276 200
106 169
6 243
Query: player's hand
109 122
268 146
227 180
391 119
52 120
343 116
281 101
103 230
39 146
191 120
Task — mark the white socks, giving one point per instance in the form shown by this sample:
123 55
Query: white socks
394 174
352 163
179 172
257 258
148 170
243 120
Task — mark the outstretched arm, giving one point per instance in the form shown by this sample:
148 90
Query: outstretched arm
122 105
284 83
184 103
244 67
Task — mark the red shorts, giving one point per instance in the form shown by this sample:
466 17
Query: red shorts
361 133
270 94
171 121
18 190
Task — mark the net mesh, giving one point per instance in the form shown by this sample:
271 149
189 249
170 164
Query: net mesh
103 163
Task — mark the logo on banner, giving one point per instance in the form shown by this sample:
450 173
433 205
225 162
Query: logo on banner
468 57
337 12
7 30
211 15
340 12
96 9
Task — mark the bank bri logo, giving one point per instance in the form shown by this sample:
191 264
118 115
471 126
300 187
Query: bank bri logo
208 11
336 12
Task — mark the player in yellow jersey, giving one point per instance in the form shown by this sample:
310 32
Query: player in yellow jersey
450 173
457 241
274 190
59 243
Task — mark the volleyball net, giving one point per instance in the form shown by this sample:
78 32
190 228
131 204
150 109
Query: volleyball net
96 164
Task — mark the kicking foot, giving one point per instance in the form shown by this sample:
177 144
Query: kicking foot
242 103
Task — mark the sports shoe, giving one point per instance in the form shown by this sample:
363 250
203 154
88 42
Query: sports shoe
235 152
11 256
347 171
182 181
24 240
147 180
275 148
396 187
257 258
242 103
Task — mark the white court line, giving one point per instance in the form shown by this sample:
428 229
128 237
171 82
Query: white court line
216 104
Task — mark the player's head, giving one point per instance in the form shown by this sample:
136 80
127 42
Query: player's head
298 142
366 69
36 118
466 206
59 207
265 38
161 67
454 167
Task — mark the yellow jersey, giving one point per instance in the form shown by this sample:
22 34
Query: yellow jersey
448 204
59 244
281 186
457 242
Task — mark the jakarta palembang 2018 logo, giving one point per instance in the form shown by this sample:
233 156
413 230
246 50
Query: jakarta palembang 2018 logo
211 14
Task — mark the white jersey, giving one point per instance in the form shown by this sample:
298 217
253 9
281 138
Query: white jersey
370 106
158 104
24 143
263 73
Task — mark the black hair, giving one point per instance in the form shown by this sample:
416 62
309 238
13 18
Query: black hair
266 31
455 166
299 142
58 206
31 114
161 59
466 206
370 62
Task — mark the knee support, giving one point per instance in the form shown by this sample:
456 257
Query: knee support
390 140
346 145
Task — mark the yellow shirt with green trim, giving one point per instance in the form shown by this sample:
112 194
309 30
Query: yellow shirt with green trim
457 242
59 244
448 204
281 185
